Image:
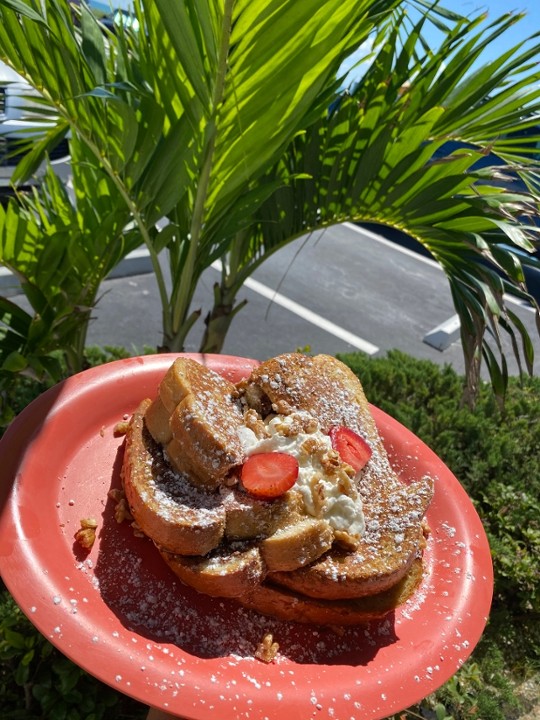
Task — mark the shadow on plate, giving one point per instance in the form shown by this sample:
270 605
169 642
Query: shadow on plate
151 602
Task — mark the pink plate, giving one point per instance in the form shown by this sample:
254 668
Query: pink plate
118 612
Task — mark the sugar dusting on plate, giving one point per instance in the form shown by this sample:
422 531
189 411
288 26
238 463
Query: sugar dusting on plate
134 583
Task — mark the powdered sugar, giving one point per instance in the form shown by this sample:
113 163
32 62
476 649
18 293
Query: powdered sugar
172 495
152 603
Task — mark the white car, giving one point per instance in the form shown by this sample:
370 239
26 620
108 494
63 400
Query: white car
17 120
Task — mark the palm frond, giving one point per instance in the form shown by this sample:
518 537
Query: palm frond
374 159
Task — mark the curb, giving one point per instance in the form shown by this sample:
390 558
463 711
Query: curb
136 262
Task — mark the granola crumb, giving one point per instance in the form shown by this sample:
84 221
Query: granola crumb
86 535
267 649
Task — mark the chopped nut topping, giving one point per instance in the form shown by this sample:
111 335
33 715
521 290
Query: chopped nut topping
282 407
317 493
345 485
310 446
254 422
115 494
86 535
346 541
330 460
89 523
267 649
137 530
121 511
121 508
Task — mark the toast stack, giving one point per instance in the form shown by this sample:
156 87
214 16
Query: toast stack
340 545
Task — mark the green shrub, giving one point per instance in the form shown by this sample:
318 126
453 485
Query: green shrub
17 390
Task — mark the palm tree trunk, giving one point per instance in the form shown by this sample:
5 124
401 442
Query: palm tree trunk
219 319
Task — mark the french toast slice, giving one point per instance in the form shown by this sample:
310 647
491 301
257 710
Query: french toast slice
164 504
196 417
238 573
248 517
285 604
393 511
185 520
297 544
320 385
232 570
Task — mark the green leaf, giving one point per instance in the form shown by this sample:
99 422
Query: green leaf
22 8
28 657
528 347
68 675
15 362
93 45
163 237
32 160
14 316
498 373
22 674
15 639
440 712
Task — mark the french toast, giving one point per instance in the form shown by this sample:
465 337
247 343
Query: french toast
196 419
341 545
270 599
176 515
393 512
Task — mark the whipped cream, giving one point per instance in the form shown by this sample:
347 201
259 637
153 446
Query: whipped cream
327 491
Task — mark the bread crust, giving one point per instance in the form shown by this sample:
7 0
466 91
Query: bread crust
166 507
278 601
197 418
230 571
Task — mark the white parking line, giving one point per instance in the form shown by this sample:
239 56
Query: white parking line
307 314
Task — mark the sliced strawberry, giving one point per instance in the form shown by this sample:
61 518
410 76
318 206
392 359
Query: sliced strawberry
269 475
352 448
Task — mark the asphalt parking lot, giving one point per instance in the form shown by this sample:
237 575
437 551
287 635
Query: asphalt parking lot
340 290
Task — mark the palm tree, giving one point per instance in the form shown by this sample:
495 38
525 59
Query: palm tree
225 118
374 158
186 115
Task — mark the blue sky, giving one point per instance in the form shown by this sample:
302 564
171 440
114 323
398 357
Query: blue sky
472 8
496 8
